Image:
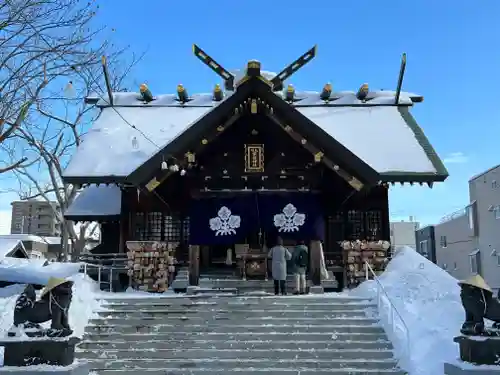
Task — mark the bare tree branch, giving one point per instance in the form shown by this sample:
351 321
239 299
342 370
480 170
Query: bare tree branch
44 46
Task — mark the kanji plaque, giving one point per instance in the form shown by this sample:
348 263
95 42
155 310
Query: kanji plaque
254 158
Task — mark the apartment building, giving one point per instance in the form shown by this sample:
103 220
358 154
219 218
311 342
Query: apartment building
426 242
468 241
403 233
35 217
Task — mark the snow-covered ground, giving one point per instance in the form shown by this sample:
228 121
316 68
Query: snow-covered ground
81 310
426 297
428 301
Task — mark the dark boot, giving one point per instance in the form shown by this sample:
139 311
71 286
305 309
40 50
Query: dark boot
276 287
283 287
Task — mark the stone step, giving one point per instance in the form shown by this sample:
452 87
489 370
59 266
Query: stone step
264 335
270 371
181 299
208 290
230 328
236 344
207 363
233 354
331 313
155 306
193 319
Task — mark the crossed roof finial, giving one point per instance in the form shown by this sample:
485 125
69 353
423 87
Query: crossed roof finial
253 68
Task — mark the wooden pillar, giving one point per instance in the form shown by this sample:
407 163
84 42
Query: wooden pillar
315 250
194 264
205 256
124 223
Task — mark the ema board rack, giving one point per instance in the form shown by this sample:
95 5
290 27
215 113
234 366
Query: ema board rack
149 265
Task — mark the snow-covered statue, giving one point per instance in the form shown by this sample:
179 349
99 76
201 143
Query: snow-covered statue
53 305
479 303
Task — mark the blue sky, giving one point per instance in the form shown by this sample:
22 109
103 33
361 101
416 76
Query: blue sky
453 60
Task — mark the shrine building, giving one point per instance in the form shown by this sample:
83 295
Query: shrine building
223 174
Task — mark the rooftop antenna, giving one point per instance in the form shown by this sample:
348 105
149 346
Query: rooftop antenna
400 79
281 77
216 67
106 79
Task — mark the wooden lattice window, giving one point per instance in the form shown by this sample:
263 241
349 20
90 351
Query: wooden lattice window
355 229
148 226
154 226
173 229
373 221
185 231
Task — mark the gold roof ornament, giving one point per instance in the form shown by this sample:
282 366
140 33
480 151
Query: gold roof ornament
476 281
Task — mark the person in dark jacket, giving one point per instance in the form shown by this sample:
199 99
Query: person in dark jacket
300 261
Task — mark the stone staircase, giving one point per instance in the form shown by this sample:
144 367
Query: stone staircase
306 335
230 284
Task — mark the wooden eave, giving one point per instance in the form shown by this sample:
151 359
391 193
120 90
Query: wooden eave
93 217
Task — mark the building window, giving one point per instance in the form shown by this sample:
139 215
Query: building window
445 266
423 248
494 184
443 241
496 210
470 210
455 266
475 262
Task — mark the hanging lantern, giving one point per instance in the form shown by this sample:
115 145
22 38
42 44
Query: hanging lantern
318 156
164 166
218 94
174 168
182 93
326 92
290 93
183 172
204 141
145 93
69 90
190 157
135 143
363 91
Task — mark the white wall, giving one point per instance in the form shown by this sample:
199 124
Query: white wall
403 233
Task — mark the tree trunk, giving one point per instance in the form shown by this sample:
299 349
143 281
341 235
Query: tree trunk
65 243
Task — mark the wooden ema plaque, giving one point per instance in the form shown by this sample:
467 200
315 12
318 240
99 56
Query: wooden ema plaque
149 264
356 253
254 158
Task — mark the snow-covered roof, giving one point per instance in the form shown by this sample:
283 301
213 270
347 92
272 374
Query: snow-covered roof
95 201
123 138
379 136
8 246
31 237
128 134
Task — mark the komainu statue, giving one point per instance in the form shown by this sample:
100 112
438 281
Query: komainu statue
53 304
479 303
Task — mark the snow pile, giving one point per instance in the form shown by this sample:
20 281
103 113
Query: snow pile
32 271
428 300
83 305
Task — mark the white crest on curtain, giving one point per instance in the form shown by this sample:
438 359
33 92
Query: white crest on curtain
225 223
290 220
